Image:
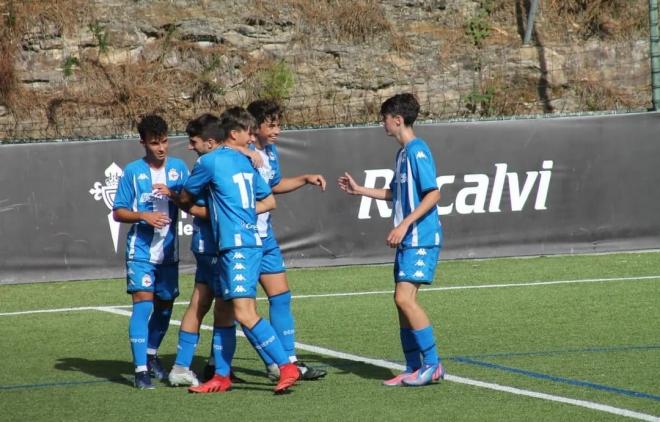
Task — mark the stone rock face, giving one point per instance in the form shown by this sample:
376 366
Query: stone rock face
205 55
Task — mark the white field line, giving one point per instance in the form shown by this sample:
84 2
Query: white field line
452 378
377 292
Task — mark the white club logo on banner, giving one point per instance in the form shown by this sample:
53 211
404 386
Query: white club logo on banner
107 193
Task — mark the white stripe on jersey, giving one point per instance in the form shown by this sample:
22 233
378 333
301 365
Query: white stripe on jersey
411 202
398 211
133 232
237 240
156 251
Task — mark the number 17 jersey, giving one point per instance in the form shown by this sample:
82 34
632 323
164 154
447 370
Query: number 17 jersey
234 187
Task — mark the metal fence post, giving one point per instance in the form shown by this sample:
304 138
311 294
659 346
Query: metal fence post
655 52
530 21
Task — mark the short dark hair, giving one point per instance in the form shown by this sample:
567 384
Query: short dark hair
206 126
263 110
236 118
404 105
152 125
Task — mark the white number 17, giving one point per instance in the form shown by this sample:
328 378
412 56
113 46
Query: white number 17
244 182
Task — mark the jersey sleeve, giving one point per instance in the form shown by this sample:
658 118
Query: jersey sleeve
125 195
423 169
199 178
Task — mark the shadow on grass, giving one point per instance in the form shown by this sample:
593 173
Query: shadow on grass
362 370
120 372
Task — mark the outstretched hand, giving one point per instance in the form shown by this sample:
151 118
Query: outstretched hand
348 184
316 179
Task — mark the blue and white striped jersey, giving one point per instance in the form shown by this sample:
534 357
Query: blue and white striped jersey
270 172
234 187
414 175
135 193
202 241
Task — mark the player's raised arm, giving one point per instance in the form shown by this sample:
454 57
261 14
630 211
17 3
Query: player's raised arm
351 187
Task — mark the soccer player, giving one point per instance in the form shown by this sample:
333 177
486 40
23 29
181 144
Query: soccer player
204 135
417 237
272 272
152 261
234 187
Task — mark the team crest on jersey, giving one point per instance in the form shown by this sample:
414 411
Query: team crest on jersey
418 274
421 251
106 192
173 175
421 155
147 281
403 178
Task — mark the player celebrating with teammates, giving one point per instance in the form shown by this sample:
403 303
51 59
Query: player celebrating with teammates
272 272
152 261
204 135
417 237
234 188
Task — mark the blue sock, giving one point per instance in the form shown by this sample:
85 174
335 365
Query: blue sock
426 341
262 353
224 346
138 331
410 350
185 350
266 339
282 321
158 325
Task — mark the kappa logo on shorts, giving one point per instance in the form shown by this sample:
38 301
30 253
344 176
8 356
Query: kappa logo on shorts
418 274
238 255
107 193
239 277
239 266
401 274
420 263
173 175
421 251
146 280
240 289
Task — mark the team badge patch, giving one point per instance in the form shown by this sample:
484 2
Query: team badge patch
146 281
173 175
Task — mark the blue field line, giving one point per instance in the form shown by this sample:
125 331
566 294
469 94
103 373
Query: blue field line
562 380
625 348
58 384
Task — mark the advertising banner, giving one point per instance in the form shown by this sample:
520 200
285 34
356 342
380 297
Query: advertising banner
509 188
